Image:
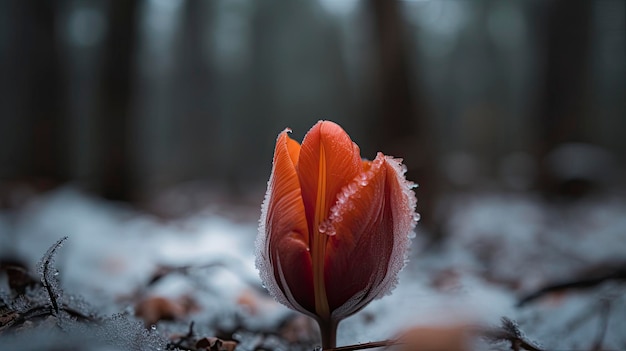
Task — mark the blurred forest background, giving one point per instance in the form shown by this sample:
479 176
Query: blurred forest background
130 98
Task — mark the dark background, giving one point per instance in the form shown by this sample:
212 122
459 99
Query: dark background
127 99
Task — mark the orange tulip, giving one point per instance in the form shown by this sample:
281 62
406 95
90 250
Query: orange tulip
334 229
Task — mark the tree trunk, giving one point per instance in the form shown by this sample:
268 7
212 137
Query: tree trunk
33 99
561 100
115 96
401 127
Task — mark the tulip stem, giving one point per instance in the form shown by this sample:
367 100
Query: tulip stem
328 329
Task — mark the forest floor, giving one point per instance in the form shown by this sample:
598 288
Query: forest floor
513 271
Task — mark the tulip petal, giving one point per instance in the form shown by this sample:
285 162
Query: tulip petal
293 268
405 219
355 253
283 233
325 145
328 160
372 218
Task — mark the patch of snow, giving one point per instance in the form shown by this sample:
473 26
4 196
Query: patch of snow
499 246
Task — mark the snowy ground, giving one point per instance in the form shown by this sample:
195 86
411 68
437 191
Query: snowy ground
500 247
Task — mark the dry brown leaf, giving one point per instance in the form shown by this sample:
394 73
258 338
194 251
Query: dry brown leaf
215 344
155 308
445 338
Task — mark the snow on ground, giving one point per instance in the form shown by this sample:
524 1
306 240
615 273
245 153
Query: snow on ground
500 246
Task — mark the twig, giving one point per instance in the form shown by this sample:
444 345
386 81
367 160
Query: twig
188 338
225 263
368 345
190 333
509 331
618 274
163 271
47 261
15 319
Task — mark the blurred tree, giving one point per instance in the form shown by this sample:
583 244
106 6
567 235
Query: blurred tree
113 106
564 38
32 94
401 125
193 94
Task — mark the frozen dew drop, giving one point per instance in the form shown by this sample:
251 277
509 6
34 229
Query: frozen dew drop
411 234
341 198
153 327
364 178
322 227
327 228
352 188
416 217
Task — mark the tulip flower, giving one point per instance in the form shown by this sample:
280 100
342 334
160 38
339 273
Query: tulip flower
334 229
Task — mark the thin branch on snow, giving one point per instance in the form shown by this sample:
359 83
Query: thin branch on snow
364 346
48 274
509 331
584 283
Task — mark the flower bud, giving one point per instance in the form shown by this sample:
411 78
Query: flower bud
334 229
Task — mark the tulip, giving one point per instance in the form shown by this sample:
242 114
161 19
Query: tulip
334 229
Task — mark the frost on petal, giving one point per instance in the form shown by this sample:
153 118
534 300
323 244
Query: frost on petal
282 227
357 252
403 204
371 219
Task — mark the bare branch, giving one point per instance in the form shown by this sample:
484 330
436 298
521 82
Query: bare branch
614 274
509 331
48 274
364 346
